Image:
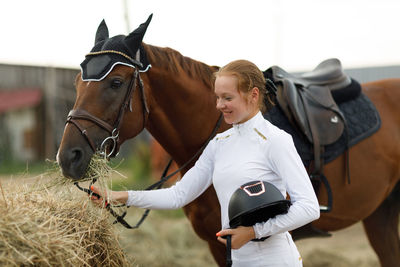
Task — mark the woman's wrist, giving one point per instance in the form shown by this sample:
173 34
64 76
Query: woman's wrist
120 196
252 233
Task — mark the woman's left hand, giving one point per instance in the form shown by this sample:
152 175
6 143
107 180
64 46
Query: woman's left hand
240 236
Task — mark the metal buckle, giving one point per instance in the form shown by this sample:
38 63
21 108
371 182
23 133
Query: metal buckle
103 146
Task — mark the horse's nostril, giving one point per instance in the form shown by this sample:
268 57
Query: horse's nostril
73 162
76 155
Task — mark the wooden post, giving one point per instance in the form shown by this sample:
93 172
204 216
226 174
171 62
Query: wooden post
50 87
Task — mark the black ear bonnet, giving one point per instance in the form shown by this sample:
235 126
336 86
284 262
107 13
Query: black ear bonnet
109 52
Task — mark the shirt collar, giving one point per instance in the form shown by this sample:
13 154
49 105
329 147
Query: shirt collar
242 128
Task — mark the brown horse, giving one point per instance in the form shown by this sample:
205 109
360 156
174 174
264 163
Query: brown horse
177 106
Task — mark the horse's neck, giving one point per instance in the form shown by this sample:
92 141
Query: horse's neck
182 104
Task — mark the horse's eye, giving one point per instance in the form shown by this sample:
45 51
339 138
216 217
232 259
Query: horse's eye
116 83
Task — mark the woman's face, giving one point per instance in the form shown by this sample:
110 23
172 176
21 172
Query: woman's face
236 107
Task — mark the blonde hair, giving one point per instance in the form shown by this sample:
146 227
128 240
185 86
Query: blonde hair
248 76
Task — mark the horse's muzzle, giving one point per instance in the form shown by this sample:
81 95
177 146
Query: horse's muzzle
73 162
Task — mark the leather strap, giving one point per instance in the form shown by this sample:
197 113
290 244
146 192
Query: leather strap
84 133
81 114
317 172
127 99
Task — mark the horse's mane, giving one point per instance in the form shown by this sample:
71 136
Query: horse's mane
175 62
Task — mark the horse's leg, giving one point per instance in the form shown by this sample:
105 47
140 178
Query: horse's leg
218 250
382 229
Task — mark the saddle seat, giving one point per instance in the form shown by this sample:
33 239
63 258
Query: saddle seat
327 73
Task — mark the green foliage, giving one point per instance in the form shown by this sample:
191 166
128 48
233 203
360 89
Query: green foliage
136 167
9 166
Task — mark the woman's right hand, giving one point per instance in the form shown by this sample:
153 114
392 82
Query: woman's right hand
240 236
115 197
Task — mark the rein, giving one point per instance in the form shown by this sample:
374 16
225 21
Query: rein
157 185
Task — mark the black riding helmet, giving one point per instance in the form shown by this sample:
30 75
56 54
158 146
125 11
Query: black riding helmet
252 203
255 202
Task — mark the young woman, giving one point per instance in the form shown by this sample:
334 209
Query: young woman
253 149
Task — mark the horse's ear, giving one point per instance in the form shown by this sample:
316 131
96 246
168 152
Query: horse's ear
102 32
134 39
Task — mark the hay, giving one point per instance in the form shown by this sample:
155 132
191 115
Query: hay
98 169
51 223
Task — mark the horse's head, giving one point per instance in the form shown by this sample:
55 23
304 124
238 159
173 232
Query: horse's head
109 90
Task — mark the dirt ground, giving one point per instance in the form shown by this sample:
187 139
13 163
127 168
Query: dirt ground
164 241
346 248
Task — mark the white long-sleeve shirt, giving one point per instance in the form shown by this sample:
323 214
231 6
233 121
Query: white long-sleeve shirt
251 151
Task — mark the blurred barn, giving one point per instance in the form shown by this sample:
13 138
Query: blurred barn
34 102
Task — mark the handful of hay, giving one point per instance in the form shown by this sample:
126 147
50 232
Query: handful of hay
54 224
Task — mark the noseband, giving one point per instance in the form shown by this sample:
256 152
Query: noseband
113 130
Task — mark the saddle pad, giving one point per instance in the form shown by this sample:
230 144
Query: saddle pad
362 121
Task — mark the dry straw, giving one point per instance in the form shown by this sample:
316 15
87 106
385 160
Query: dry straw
46 221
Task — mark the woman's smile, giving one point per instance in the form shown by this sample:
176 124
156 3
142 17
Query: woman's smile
234 105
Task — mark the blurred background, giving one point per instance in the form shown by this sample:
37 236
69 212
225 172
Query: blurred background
43 42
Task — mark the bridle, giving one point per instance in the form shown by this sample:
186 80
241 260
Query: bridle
113 130
81 114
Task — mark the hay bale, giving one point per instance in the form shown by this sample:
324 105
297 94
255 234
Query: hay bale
57 227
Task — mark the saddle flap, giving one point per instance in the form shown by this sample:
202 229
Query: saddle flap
313 105
324 113
292 105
